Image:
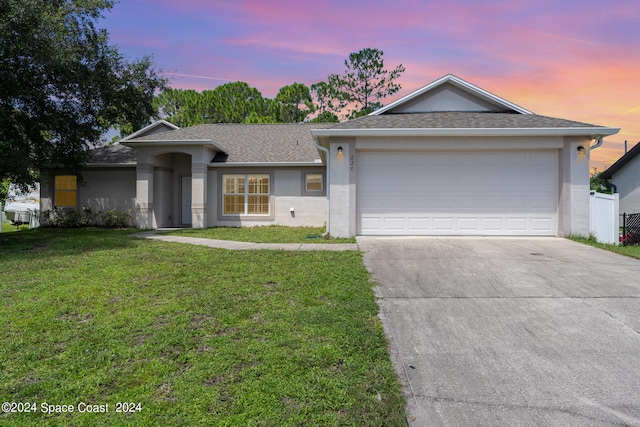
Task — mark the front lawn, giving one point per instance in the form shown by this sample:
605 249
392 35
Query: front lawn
195 336
632 251
8 227
268 234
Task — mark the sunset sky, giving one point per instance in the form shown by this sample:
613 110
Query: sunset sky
573 59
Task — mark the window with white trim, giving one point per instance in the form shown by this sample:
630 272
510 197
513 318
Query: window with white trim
313 182
245 194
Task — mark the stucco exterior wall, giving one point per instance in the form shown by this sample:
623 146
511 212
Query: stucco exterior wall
115 189
459 143
103 189
342 170
627 181
287 192
108 189
573 203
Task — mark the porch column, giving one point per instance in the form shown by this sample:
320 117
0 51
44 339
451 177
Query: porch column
199 195
144 196
342 206
575 199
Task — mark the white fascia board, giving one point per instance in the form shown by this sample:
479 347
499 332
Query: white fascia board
267 164
147 128
459 83
489 95
181 143
112 165
568 131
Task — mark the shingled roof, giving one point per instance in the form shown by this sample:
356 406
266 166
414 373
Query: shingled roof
251 143
465 120
113 154
621 162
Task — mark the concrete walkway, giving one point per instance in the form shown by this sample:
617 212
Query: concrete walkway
233 245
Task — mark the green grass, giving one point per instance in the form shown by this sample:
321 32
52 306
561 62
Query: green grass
197 336
8 227
632 251
268 234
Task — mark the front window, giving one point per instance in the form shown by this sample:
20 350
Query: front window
245 194
313 182
66 190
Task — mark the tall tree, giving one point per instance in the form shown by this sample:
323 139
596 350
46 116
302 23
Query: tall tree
227 103
365 82
62 84
234 102
181 107
294 103
326 102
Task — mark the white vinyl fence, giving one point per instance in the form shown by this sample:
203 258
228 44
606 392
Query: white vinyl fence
605 217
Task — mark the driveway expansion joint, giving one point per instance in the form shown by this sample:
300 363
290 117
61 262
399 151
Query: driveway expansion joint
510 406
609 314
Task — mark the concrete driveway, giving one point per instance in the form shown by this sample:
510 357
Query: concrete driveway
510 331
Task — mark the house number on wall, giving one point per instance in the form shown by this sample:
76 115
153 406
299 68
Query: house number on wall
352 162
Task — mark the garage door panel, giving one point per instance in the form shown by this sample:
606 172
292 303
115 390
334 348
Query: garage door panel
468 224
517 202
516 224
457 193
443 224
419 224
471 202
491 224
394 223
541 224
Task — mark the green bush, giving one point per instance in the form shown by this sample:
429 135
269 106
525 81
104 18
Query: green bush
72 218
115 219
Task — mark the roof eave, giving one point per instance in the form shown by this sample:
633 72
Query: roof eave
621 162
181 143
266 164
111 165
149 127
566 131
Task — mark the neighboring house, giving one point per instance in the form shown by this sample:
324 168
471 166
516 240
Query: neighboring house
447 159
625 175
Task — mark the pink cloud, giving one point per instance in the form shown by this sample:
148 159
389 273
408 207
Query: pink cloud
550 57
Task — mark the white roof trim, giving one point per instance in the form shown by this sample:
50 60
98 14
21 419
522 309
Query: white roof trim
316 163
566 131
112 165
456 81
181 143
148 128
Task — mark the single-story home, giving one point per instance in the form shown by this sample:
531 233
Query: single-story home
447 159
625 175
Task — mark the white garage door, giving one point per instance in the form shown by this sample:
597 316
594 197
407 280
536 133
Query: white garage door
463 193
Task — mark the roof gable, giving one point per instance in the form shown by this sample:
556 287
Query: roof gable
450 94
245 143
621 162
154 128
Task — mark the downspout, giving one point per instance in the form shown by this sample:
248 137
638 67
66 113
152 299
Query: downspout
597 144
326 151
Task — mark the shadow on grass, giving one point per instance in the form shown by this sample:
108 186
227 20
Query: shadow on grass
29 243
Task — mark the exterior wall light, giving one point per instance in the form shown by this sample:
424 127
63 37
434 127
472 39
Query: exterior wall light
581 152
340 153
